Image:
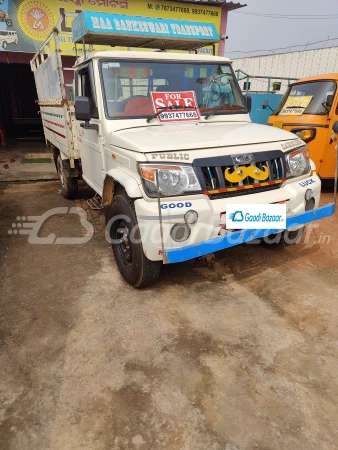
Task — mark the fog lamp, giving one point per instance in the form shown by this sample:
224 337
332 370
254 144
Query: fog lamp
310 204
191 216
180 232
308 194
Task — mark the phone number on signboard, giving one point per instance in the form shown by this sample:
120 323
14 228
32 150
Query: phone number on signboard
179 115
181 9
205 12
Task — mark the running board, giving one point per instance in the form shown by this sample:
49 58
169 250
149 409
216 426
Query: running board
95 203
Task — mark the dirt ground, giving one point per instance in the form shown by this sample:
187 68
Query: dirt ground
235 353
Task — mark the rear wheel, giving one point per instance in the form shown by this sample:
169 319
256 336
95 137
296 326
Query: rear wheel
69 186
133 265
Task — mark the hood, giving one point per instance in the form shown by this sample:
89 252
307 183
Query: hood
197 135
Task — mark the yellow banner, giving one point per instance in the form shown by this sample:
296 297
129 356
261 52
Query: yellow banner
33 20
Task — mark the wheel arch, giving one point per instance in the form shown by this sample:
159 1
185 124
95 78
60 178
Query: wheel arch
118 177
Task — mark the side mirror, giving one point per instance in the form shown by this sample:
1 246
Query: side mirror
266 105
248 102
82 112
329 100
82 109
335 128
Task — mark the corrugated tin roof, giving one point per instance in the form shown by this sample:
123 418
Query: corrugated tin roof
229 5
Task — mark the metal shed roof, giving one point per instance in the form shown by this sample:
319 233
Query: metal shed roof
229 5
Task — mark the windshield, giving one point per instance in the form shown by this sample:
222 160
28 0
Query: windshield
127 86
308 98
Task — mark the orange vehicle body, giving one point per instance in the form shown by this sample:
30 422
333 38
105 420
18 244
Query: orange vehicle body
316 118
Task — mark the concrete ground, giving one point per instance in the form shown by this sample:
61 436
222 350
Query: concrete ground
235 353
13 161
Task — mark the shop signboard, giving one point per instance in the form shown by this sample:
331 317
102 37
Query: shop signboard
24 24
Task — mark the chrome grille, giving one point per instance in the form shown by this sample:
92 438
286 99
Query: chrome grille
210 172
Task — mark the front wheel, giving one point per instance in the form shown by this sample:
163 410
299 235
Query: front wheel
9 22
125 236
69 186
4 44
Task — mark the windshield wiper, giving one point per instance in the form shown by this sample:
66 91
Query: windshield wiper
218 109
167 108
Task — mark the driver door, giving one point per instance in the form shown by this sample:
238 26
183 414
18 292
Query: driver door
91 155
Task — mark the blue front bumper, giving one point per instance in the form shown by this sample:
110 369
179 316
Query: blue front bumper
239 237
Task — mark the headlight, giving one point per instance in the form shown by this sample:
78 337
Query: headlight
172 180
305 135
298 162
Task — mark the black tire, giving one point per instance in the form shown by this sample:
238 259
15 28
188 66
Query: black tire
4 44
9 22
133 265
283 239
69 186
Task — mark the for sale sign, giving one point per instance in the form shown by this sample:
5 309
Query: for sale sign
175 106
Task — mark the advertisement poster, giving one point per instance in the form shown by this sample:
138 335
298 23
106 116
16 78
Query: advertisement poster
24 24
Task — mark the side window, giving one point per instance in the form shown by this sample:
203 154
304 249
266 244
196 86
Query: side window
86 89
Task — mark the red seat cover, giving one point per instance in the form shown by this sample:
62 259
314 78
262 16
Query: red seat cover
139 107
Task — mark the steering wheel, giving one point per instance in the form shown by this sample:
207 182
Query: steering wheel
215 89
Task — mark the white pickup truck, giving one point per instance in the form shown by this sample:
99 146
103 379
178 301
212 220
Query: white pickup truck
166 142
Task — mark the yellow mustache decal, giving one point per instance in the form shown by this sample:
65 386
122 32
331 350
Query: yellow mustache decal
242 172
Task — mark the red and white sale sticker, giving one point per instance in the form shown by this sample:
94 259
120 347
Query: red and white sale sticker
185 102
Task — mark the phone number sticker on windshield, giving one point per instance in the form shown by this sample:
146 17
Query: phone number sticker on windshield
182 115
175 106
